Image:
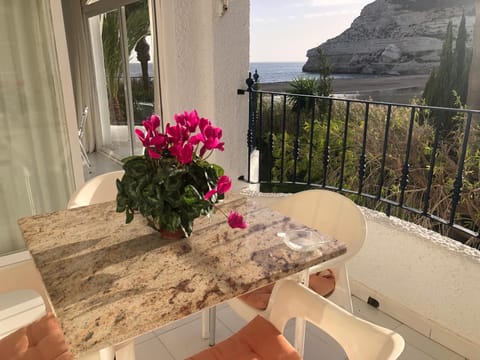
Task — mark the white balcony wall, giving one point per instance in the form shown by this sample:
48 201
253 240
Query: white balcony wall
204 56
423 279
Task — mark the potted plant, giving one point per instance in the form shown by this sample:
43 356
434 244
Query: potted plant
172 183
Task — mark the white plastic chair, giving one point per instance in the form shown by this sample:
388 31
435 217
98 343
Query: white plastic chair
360 339
101 188
332 214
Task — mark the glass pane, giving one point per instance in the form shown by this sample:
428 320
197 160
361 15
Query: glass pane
141 74
116 138
140 64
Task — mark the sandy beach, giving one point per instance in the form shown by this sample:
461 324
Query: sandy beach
382 88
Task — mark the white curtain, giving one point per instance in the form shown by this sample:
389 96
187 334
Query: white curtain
81 63
36 174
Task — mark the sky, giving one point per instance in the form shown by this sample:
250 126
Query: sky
283 30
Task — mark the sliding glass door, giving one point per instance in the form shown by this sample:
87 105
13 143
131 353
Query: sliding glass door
120 38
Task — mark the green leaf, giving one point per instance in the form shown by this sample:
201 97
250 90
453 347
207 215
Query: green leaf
129 216
136 167
191 195
121 204
218 170
173 182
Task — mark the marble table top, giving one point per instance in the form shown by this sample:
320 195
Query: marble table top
109 282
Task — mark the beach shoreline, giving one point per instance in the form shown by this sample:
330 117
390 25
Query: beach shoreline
352 85
382 88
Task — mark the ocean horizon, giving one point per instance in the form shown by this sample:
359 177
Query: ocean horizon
269 72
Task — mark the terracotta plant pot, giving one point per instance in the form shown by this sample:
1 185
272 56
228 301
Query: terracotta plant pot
172 235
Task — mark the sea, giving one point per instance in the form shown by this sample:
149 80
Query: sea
269 72
272 72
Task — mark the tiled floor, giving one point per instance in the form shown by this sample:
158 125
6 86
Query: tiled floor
100 165
182 339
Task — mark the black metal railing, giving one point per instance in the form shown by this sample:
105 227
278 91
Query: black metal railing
417 162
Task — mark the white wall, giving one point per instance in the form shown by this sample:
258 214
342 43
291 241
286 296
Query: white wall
204 56
423 279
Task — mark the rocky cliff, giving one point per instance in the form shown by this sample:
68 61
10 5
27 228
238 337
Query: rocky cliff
395 37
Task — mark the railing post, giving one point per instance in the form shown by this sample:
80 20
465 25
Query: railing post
384 152
406 164
458 184
344 146
296 146
436 141
362 162
326 149
310 150
252 116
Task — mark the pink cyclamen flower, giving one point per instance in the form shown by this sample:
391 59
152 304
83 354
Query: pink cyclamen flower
211 139
209 194
209 135
160 141
183 153
177 133
152 123
200 137
189 120
236 221
224 184
143 137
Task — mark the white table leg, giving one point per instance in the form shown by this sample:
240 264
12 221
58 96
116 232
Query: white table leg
300 324
107 353
125 351
205 324
212 318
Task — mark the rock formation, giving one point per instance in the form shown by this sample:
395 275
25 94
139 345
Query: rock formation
396 37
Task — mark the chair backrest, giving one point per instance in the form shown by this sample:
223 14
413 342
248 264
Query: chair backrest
99 189
360 339
330 213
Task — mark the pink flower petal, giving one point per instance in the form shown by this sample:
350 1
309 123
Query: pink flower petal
153 154
154 121
224 184
236 221
184 154
209 194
